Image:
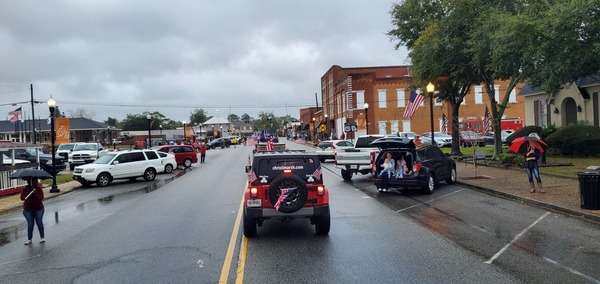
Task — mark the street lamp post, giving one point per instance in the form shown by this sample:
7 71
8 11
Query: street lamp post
184 134
221 134
367 118
430 89
326 125
149 118
52 107
314 131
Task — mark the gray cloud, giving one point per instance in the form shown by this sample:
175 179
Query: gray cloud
120 57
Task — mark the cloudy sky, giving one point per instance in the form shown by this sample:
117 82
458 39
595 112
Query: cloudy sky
113 58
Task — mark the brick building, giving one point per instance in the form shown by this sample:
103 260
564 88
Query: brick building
385 90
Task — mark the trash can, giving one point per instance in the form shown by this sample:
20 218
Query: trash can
589 189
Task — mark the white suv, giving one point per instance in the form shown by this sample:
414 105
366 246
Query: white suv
129 164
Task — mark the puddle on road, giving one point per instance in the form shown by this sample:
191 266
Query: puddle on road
11 233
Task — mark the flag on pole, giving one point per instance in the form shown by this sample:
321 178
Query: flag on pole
414 102
270 146
444 123
15 115
487 121
318 172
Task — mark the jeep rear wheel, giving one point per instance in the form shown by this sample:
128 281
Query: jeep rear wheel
346 175
323 224
295 200
149 174
249 227
103 179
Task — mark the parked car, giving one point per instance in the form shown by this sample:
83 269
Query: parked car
441 139
65 149
470 138
235 140
427 165
409 134
45 160
184 154
488 138
6 160
328 148
222 142
85 153
169 161
129 164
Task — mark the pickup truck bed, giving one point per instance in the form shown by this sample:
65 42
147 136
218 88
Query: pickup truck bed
358 159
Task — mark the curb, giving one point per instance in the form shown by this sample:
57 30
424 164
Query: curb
551 207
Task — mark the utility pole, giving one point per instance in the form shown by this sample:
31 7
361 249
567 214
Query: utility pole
32 112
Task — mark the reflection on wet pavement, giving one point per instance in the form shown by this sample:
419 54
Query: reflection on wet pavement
11 232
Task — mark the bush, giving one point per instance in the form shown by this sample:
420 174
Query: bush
575 140
512 159
523 132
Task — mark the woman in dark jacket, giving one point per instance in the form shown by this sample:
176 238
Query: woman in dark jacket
531 166
33 208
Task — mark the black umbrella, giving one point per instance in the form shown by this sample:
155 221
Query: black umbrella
30 173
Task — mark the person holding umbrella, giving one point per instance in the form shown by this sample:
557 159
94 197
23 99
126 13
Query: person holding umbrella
33 208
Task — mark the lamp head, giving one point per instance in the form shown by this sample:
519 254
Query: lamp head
430 87
366 105
148 116
183 122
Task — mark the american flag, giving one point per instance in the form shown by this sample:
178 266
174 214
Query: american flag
444 123
487 121
414 102
269 145
318 172
283 194
15 115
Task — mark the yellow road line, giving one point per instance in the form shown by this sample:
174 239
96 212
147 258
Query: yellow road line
229 255
242 261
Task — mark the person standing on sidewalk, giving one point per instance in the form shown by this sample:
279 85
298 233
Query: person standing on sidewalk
532 156
202 152
33 208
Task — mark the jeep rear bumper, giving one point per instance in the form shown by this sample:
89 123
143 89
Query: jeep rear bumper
272 213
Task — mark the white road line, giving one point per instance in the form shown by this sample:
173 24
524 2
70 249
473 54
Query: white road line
571 270
518 236
429 201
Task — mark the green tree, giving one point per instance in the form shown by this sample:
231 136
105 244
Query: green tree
112 122
436 37
198 116
246 117
233 117
136 122
81 112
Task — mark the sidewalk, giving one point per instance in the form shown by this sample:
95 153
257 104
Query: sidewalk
13 202
562 193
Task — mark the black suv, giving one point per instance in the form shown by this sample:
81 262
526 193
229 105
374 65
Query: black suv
222 142
285 186
45 159
426 165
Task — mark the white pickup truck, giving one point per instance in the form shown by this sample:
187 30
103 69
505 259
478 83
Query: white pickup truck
358 159
85 153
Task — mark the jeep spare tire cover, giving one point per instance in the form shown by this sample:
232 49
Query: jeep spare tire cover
297 193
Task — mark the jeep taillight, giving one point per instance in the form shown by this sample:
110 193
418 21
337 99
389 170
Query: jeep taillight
287 171
372 157
320 190
416 167
253 192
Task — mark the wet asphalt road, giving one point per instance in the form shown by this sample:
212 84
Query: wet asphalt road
181 231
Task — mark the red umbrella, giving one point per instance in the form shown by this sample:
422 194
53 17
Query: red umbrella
520 144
